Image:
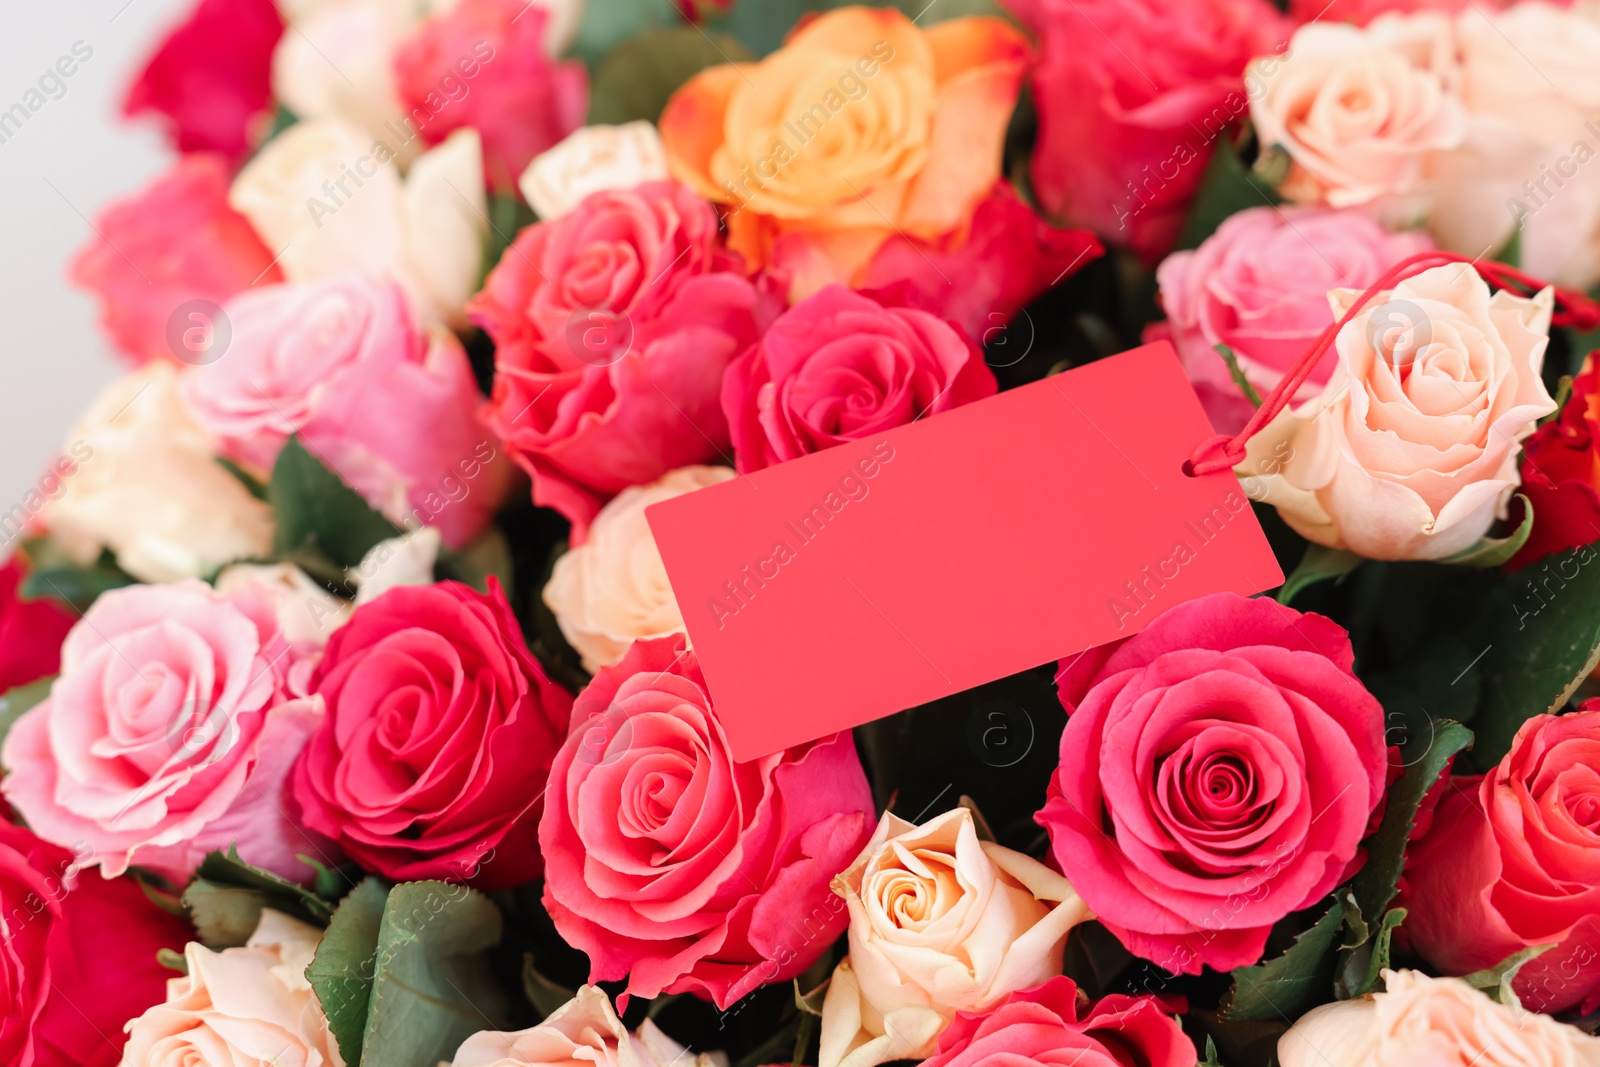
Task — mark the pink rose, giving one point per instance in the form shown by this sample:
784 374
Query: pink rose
1513 860
673 866
1041 1027
169 733
174 242
1132 94
483 63
440 730
31 631
1362 12
838 367
1260 286
211 79
316 359
1218 771
612 326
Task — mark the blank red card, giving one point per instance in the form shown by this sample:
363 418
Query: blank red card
850 584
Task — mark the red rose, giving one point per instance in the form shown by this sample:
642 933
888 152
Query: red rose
1131 95
212 77
1561 474
31 632
440 730
677 868
1218 771
1040 1027
483 64
838 367
175 241
612 327
1513 860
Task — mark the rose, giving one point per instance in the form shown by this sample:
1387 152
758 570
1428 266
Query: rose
940 923
282 597
440 730
1218 771
31 631
331 201
1362 12
169 733
240 1007
146 485
518 99
1561 475
1040 1026
860 127
612 327
583 1030
589 160
316 359
1441 1020
1131 96
1512 861
612 590
677 868
1361 112
1260 286
172 244
404 560
1410 451
838 367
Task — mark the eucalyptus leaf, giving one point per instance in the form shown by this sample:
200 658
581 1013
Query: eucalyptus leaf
341 972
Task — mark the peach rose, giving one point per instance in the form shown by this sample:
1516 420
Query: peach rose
1361 111
612 590
1410 452
862 126
1441 1022
241 1007
583 1032
940 922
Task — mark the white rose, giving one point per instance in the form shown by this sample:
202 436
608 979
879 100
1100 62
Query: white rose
612 590
589 160
306 613
404 560
151 489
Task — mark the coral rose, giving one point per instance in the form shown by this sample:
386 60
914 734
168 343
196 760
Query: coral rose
940 923
1218 771
860 127
1410 451
673 866
584 1030
1260 286
1512 860
612 327
31 631
590 160
838 367
440 728
1561 474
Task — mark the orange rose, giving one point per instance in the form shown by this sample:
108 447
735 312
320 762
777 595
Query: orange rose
861 127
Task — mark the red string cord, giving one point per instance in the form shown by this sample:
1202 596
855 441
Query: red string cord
1224 452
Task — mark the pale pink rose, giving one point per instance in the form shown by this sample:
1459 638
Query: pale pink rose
1360 112
1440 1022
940 923
170 732
1260 286
325 360
613 590
1410 451
583 1032
241 1007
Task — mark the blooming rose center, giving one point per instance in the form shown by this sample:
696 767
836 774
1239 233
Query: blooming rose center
919 889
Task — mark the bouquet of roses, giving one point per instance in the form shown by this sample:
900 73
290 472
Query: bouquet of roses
350 717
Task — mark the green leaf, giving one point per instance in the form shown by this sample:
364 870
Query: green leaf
225 899
1211 1055
1368 958
318 513
20 700
77 587
252 485
763 26
1490 552
1319 564
608 23
1286 987
545 996
341 973
1227 188
432 988
172 960
1510 253
488 554
1496 981
1237 373
636 78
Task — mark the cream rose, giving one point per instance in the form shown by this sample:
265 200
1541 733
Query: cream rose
150 488
404 560
583 1032
1360 112
1410 452
1441 1022
590 159
612 590
940 922
241 1007
327 198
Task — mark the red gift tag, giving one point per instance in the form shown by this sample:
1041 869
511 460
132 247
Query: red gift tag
854 583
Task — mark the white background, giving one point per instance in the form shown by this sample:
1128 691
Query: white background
53 358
